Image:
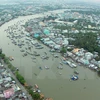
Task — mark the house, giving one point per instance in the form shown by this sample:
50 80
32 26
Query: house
88 55
75 50
45 39
65 31
49 42
69 54
99 64
28 29
84 61
65 42
36 35
92 66
46 32
57 47
28 34
8 93
2 96
15 87
8 79
42 24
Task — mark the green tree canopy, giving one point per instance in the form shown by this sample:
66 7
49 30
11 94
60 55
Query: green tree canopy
20 78
63 50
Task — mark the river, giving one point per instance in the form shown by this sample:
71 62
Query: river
51 83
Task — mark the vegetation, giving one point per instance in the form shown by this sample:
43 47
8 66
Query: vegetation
88 12
2 55
49 7
35 96
62 27
63 50
49 18
39 38
97 58
20 78
6 60
88 41
0 51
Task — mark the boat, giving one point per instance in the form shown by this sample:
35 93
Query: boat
36 86
40 68
76 72
61 63
46 67
74 77
11 58
60 67
40 47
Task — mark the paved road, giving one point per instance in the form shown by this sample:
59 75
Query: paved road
18 83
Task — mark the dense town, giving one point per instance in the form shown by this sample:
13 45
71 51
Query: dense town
9 89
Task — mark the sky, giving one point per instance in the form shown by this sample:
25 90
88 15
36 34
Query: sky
96 1
91 0
85 0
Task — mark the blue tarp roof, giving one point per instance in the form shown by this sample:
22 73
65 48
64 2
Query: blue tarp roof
36 35
46 31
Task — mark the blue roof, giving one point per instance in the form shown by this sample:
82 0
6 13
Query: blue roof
46 31
36 35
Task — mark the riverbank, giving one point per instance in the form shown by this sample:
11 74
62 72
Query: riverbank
50 82
11 88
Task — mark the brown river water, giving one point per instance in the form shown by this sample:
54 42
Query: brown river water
50 82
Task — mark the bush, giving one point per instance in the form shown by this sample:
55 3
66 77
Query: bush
13 68
20 78
2 56
6 60
70 49
97 58
63 50
9 65
39 38
29 87
36 96
31 92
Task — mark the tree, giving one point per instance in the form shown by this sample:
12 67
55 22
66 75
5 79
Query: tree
20 78
63 50
6 60
86 41
97 58
0 51
30 92
39 38
36 96
2 55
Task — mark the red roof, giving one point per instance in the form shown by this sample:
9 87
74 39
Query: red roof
8 93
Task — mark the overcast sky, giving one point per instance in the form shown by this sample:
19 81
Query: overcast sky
90 0
96 1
